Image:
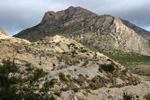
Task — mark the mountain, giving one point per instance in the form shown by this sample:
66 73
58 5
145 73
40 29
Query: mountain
102 32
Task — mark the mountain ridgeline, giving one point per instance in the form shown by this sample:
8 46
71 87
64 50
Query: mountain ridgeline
103 32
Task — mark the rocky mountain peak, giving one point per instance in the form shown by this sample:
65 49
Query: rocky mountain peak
65 14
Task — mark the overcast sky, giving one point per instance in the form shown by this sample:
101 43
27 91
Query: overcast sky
16 15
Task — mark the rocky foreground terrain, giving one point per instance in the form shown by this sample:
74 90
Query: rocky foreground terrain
60 68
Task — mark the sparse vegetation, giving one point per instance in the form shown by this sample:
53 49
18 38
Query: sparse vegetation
28 64
73 53
80 75
48 84
38 73
85 63
83 50
8 84
71 44
133 61
107 67
24 43
127 58
62 76
127 96
69 76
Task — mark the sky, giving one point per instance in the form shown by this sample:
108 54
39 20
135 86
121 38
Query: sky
17 15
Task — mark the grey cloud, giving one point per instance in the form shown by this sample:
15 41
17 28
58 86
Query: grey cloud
16 15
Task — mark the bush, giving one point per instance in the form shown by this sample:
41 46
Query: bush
108 67
64 89
83 50
29 69
24 43
47 85
75 89
80 75
73 53
127 97
85 63
62 76
28 64
9 86
69 76
38 73
7 89
71 44
8 67
92 87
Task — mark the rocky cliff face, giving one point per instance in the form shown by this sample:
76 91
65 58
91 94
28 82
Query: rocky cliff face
100 32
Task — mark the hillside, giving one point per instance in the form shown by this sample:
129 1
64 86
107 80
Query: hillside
102 32
2 32
58 67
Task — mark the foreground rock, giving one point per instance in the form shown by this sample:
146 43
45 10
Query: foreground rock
138 92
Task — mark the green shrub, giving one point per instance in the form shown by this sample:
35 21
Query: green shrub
83 50
69 76
28 64
73 53
24 43
71 44
100 68
92 87
7 89
62 76
64 89
48 84
75 89
85 63
127 97
9 86
8 67
80 75
29 68
108 67
38 73
94 80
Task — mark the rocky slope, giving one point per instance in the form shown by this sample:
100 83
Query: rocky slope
2 31
72 71
99 32
9 45
59 54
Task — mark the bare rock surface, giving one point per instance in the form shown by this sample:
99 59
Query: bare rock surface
138 92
